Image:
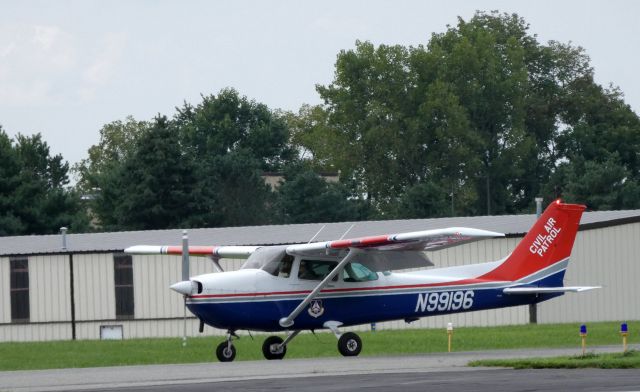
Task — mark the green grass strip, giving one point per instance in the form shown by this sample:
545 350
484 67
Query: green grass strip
628 360
92 353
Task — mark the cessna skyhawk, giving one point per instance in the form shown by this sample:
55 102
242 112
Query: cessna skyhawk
333 284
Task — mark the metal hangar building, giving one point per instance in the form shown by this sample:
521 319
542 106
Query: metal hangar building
53 292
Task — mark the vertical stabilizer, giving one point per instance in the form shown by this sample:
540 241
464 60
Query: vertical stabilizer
548 242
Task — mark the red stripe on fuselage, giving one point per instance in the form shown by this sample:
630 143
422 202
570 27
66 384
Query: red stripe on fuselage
346 290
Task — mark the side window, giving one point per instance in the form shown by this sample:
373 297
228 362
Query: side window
19 277
284 269
123 275
356 272
316 269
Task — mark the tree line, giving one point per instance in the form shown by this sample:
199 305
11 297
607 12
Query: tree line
481 119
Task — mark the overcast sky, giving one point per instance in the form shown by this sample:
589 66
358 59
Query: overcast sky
69 67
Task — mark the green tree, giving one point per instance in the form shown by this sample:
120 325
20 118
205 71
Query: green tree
117 143
479 111
234 140
602 185
367 106
426 200
238 191
154 187
9 179
229 122
601 150
201 168
305 197
34 197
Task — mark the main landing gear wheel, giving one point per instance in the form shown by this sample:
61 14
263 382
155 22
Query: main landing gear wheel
226 352
349 344
270 348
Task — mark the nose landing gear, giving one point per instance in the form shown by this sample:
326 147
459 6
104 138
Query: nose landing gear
225 351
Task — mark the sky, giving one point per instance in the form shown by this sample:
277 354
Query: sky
69 67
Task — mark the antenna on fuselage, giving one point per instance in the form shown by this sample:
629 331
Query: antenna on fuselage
314 237
348 230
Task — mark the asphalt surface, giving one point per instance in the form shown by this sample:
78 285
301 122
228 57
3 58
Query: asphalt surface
433 372
484 380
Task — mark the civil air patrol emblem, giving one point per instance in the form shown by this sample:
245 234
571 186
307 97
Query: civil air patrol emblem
315 308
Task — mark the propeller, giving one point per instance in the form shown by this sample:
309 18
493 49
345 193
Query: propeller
187 287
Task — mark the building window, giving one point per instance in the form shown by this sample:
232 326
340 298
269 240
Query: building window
123 274
19 271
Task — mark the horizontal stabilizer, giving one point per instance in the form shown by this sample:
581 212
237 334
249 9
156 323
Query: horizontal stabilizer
547 290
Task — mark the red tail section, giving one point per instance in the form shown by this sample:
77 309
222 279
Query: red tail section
549 241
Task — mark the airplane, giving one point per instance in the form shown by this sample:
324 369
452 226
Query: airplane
347 282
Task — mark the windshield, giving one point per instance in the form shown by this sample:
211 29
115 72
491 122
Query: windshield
268 259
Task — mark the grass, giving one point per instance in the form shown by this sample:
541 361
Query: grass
628 360
91 353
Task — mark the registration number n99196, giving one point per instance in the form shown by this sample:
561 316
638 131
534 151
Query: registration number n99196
444 301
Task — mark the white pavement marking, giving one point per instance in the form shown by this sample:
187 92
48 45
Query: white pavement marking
139 376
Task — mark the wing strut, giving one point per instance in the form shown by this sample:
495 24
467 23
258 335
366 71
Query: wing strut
286 322
216 263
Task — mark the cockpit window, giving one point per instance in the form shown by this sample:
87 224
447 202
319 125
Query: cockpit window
316 269
356 272
267 258
284 268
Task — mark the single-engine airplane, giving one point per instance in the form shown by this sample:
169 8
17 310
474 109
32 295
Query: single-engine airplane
328 285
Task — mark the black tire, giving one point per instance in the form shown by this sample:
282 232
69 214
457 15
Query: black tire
225 352
349 344
267 348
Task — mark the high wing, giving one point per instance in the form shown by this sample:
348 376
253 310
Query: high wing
229 252
395 251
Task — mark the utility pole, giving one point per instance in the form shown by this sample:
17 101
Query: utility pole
185 276
533 308
488 196
452 206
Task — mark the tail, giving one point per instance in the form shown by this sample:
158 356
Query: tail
543 254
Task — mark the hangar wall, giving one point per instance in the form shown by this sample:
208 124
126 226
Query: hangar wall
605 256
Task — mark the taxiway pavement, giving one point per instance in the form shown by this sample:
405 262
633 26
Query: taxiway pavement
430 371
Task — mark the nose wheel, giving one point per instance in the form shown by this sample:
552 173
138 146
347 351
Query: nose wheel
225 351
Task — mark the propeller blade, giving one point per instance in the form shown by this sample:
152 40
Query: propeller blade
185 255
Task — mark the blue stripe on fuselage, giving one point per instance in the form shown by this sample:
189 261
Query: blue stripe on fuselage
354 310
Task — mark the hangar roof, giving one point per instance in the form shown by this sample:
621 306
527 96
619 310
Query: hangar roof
511 225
